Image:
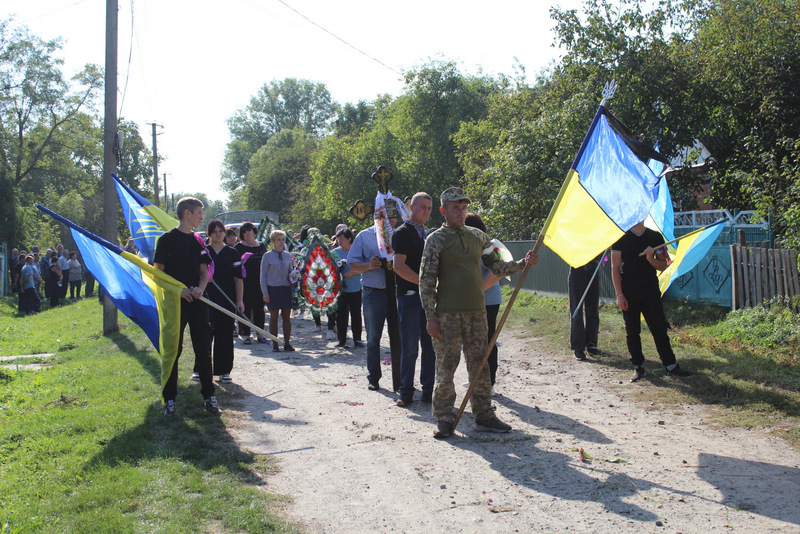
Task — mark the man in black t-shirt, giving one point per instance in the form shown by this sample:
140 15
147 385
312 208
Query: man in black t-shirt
180 254
408 241
638 293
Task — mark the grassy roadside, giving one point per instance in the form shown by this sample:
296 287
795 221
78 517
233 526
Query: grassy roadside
746 364
84 446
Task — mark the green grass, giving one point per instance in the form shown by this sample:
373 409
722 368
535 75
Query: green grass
84 446
746 363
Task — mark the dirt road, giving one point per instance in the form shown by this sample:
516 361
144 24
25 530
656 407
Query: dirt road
352 461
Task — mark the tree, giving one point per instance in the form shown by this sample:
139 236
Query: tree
280 170
749 53
37 108
411 135
279 105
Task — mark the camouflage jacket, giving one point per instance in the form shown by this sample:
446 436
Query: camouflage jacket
450 278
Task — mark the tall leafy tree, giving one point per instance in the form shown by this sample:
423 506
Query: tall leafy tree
37 107
279 105
748 51
279 171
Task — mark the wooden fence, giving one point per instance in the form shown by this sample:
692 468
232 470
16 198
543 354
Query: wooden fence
763 274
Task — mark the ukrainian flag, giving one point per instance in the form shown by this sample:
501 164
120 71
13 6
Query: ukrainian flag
147 296
145 220
608 190
692 248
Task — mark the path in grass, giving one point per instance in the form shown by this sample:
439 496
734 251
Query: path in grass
354 462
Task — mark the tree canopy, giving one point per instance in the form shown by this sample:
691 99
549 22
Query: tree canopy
722 72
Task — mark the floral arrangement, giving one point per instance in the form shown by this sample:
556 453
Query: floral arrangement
320 283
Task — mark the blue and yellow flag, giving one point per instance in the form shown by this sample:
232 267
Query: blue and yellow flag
692 248
147 296
145 220
608 190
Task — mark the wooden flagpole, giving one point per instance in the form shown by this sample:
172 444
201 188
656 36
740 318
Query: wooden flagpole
474 381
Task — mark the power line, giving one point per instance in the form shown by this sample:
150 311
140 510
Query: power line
342 40
128 70
56 10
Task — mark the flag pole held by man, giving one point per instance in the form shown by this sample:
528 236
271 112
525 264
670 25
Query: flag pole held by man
451 289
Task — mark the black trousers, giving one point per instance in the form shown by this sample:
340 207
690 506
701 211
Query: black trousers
349 304
195 314
646 302
222 342
254 310
584 327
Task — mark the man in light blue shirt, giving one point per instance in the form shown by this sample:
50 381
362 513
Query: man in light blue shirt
364 259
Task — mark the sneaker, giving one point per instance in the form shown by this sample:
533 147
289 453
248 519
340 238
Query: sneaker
287 348
580 355
594 351
444 429
331 335
169 409
360 344
638 373
405 402
275 347
318 328
226 379
373 385
211 405
493 424
195 377
677 371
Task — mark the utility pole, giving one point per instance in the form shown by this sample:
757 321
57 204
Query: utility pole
110 151
155 162
166 202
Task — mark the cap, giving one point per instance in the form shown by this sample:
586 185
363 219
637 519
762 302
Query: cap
453 194
339 230
391 208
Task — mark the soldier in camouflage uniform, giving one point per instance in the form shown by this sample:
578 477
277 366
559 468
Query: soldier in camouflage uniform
451 289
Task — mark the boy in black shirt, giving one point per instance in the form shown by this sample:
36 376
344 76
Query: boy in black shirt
181 255
636 286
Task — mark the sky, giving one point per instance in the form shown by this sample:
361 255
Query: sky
189 65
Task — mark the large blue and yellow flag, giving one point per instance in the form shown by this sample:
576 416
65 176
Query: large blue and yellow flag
145 220
147 296
608 190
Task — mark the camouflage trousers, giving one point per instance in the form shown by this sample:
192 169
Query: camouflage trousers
470 331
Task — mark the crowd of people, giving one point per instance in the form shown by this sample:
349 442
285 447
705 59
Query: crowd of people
446 286
56 277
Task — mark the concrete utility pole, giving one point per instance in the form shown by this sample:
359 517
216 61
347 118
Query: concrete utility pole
110 151
155 163
166 202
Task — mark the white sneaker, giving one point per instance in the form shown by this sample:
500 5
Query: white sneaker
318 328
195 377
331 335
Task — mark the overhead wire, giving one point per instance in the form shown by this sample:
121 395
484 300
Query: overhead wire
128 70
340 39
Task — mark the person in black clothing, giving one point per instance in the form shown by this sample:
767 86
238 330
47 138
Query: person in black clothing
636 286
253 299
181 254
584 326
227 278
408 241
